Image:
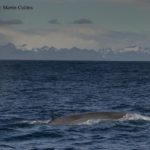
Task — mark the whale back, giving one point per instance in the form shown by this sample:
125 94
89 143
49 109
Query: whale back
80 118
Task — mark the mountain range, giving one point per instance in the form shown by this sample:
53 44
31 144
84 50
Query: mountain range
131 53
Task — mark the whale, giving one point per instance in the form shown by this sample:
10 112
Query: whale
89 118
84 117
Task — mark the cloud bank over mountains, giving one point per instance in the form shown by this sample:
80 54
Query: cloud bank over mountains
132 53
80 35
81 40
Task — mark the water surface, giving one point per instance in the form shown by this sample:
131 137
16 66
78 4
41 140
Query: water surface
30 90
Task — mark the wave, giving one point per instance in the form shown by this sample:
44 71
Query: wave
36 121
135 116
7 146
126 117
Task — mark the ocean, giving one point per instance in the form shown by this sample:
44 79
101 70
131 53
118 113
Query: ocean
31 90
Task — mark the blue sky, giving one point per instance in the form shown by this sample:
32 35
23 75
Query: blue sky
91 24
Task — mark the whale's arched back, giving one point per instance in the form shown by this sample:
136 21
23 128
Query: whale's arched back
80 118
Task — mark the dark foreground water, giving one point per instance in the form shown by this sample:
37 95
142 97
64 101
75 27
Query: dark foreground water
30 90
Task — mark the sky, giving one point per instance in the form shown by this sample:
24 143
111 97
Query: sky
90 24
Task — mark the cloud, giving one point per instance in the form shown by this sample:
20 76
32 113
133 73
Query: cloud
82 21
87 36
53 21
63 37
10 22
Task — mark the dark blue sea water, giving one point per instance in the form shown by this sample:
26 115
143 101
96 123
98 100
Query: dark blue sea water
30 90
